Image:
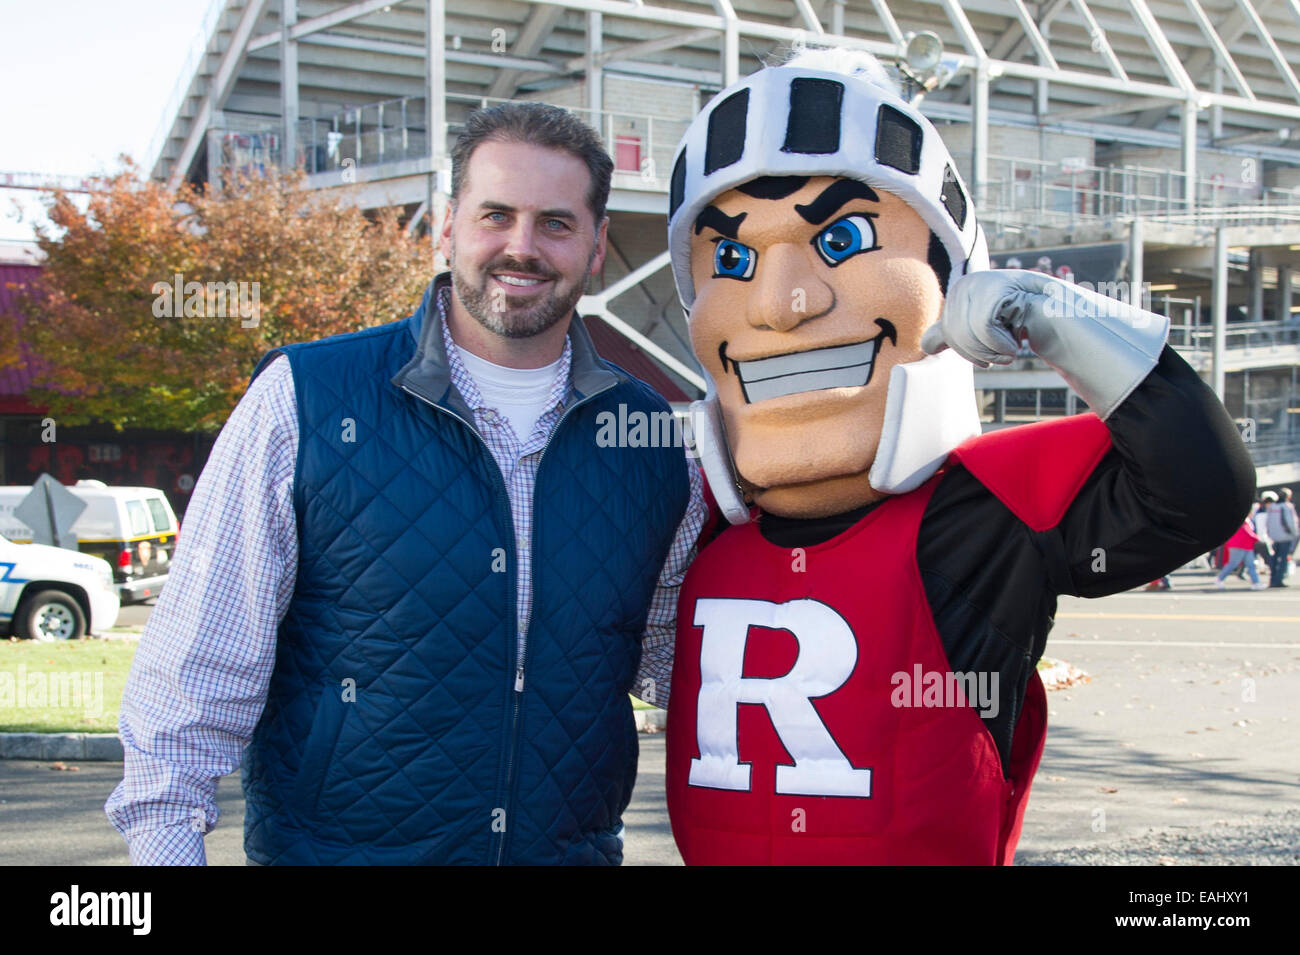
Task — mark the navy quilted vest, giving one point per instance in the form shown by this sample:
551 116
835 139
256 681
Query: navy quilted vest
393 732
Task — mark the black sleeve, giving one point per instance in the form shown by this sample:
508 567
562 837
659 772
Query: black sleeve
1176 483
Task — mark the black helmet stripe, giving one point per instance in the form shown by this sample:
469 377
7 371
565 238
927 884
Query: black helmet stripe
726 142
677 187
952 197
814 121
898 140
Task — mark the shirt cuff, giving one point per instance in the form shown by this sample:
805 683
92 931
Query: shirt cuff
170 845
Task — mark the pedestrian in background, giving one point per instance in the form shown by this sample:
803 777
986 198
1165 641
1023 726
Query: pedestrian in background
1259 521
1282 529
1241 549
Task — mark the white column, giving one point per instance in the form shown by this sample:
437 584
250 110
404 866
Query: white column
1256 266
1189 117
1284 293
435 94
1216 111
595 76
1041 91
837 17
1219 309
730 53
288 85
979 152
1136 271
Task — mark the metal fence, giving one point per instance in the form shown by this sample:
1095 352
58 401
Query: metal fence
641 144
1055 194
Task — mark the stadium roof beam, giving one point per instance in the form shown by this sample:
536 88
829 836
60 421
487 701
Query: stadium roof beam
231 60
532 37
1220 48
645 47
969 39
887 18
809 16
1034 35
1100 43
1263 135
1233 27
1107 109
1018 46
1161 46
1011 45
418 51
1288 75
304 28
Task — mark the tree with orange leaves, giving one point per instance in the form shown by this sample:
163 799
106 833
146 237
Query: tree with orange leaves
154 306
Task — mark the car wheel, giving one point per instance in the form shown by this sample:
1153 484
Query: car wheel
50 615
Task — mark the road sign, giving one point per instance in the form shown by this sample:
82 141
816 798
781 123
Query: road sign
50 511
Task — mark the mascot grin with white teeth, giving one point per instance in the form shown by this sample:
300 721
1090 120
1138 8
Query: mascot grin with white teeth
855 677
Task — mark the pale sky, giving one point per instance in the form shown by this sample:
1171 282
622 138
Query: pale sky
82 81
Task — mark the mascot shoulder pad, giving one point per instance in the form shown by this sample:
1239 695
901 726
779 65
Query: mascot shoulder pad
1036 469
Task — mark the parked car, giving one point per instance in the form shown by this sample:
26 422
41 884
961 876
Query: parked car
133 528
49 593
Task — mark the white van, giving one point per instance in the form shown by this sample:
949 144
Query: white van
48 593
133 528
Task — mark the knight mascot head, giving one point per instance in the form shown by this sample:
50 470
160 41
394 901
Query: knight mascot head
816 220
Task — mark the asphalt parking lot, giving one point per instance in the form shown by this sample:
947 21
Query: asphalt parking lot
1181 748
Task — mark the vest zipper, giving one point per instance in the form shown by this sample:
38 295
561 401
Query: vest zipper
519 666
521 634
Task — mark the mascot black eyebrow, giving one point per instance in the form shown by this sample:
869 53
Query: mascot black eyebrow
855 672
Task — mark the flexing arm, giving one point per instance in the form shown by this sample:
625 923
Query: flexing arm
1178 479
199 680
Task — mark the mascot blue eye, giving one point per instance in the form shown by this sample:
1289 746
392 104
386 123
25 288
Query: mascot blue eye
845 238
733 260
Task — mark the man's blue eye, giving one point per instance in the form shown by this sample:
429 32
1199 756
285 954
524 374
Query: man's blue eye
845 238
733 260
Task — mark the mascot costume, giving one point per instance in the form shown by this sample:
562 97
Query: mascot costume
855 674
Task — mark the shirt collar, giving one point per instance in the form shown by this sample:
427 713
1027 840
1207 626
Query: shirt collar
468 388
427 373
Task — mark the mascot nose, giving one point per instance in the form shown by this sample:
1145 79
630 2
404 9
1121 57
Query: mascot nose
787 289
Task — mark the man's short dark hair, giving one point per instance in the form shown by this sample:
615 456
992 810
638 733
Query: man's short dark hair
538 124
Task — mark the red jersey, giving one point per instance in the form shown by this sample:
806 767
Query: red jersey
813 716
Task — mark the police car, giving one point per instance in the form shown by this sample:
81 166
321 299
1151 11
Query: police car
133 528
48 593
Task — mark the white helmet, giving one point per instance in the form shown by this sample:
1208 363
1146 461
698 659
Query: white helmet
834 113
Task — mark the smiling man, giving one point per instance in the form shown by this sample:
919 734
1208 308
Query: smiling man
855 672
414 591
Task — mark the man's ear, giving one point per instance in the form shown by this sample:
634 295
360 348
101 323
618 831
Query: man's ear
444 234
598 261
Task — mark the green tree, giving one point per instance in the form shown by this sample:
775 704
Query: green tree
260 263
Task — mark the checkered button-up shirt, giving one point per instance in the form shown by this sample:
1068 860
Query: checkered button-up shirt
199 681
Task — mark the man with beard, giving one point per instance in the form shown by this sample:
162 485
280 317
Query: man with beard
413 584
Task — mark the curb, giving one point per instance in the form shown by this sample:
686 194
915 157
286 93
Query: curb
83 747
107 747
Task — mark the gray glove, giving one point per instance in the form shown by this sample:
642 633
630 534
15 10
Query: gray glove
1102 347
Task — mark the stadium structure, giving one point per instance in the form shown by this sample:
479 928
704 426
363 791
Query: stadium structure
1149 147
